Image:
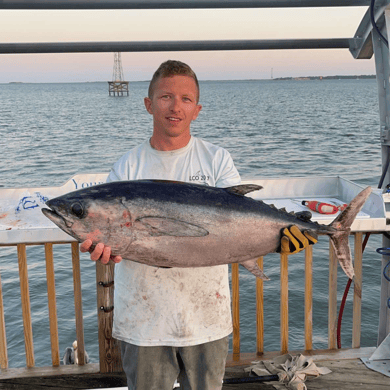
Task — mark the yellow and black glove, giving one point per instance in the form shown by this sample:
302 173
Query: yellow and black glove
294 240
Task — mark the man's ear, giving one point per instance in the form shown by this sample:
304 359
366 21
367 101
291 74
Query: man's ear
148 105
199 107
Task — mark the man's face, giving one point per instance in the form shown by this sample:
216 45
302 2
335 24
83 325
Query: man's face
173 106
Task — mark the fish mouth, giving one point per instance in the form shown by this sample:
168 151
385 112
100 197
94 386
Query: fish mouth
58 219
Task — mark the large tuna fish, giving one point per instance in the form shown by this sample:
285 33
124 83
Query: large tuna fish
175 224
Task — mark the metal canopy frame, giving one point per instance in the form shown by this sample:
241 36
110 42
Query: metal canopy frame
162 46
363 37
382 60
174 4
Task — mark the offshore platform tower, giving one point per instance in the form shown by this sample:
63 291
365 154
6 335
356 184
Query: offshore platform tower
118 87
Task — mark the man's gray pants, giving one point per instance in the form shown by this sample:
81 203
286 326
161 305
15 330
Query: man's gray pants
198 367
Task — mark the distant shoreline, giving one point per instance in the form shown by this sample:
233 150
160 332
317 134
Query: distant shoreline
337 77
352 77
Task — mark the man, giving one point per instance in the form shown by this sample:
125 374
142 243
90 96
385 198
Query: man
174 322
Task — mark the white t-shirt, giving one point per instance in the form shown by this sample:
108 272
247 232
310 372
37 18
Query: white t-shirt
173 306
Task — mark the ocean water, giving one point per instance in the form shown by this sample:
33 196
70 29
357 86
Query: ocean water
49 132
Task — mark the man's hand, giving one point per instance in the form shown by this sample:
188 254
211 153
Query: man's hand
293 240
100 252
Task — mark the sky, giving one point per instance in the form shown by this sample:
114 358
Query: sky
156 25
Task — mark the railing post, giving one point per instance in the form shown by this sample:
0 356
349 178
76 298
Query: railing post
78 304
260 311
26 306
332 308
357 294
109 351
236 312
283 303
3 338
309 298
51 297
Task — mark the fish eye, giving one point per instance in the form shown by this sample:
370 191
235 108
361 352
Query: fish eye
77 209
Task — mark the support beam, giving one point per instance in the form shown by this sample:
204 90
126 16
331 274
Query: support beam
383 72
149 46
363 48
109 348
174 4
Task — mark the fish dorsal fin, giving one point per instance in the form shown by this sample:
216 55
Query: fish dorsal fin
161 226
243 189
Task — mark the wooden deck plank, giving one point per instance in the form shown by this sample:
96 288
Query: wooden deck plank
316 354
245 359
82 381
12 373
348 374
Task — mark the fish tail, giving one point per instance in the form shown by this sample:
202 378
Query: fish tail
342 224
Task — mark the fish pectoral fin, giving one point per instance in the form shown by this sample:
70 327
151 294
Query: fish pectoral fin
162 226
252 266
243 189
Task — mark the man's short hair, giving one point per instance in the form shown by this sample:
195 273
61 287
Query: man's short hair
172 68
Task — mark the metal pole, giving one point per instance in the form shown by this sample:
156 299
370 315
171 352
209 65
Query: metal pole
149 46
174 4
382 73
